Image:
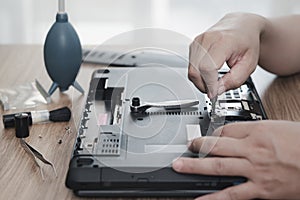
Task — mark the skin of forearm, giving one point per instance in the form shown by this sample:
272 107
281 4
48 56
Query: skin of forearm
280 45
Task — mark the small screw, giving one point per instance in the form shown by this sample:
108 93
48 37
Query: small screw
67 131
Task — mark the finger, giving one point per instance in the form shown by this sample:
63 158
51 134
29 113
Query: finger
209 74
211 62
195 77
213 166
219 146
238 73
242 191
196 53
235 130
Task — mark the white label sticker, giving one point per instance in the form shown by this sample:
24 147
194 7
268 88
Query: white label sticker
193 131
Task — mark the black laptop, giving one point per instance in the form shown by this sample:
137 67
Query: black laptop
137 120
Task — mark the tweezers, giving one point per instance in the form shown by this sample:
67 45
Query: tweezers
36 155
213 105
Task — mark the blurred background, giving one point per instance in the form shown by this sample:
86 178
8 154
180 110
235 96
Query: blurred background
28 21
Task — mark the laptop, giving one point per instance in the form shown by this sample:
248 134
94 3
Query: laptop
137 120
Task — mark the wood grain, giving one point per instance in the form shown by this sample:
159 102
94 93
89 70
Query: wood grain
20 178
282 98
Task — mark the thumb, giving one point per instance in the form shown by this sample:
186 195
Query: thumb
238 73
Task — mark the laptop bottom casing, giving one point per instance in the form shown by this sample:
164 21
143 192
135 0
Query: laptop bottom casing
121 154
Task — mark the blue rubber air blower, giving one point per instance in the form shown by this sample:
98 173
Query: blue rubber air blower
62 53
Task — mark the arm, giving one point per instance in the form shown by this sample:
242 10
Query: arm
280 45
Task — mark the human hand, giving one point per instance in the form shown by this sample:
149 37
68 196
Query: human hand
265 152
235 39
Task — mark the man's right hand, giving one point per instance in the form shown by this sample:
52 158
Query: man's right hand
235 39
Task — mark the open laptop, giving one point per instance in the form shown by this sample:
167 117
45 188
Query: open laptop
124 150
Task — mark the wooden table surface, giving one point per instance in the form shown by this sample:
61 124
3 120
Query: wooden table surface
21 179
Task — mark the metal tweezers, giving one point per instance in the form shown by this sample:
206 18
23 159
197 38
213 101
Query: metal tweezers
36 155
213 106
216 120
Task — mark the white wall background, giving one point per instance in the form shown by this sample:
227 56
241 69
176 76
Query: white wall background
27 21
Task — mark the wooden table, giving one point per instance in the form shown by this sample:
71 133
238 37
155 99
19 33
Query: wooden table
21 179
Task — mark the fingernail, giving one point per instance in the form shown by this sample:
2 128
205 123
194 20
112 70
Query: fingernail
177 164
221 90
